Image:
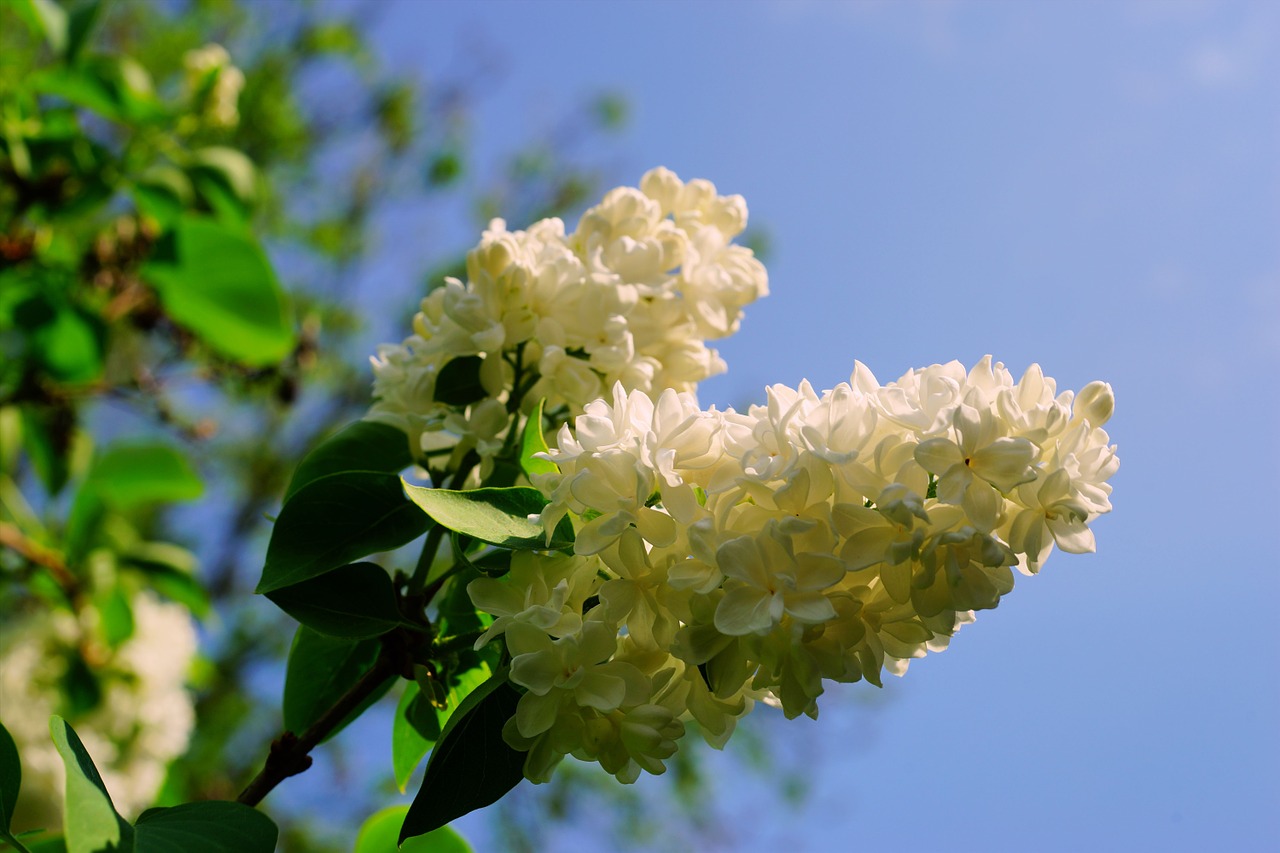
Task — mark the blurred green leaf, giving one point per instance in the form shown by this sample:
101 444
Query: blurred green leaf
116 616
129 475
218 283
356 602
379 835
89 819
80 25
82 87
47 18
444 168
206 827
336 520
320 670
230 166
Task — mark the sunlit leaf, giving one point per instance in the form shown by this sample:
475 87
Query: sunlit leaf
504 517
216 281
532 441
89 819
379 835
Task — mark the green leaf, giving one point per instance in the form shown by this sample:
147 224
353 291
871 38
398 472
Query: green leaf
116 616
47 18
174 584
356 601
11 777
320 670
163 192
531 442
89 819
80 86
416 726
472 766
80 26
126 476
361 446
47 438
497 516
207 827
229 166
217 281
337 520
379 835
458 383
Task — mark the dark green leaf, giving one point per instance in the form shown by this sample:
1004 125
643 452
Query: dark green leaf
378 835
11 777
89 819
173 584
320 670
46 436
217 281
497 516
458 383
207 827
416 726
356 601
471 766
337 520
80 27
126 476
361 446
531 442
163 193
80 686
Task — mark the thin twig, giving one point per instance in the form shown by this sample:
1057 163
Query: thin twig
290 753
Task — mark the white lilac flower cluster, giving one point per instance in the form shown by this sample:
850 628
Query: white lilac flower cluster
631 296
141 721
724 558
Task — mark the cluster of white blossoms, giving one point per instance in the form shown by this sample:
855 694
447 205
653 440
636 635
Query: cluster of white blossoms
212 77
724 558
140 722
630 297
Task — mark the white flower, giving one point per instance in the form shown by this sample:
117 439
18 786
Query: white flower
143 717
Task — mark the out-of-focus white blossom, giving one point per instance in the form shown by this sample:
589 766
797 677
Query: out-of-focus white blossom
630 298
754 556
215 83
141 722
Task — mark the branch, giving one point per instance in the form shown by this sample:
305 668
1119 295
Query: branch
36 554
289 753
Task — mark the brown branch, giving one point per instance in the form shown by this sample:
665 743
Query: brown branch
36 554
289 754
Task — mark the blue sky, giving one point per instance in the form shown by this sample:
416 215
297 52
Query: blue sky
1091 186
